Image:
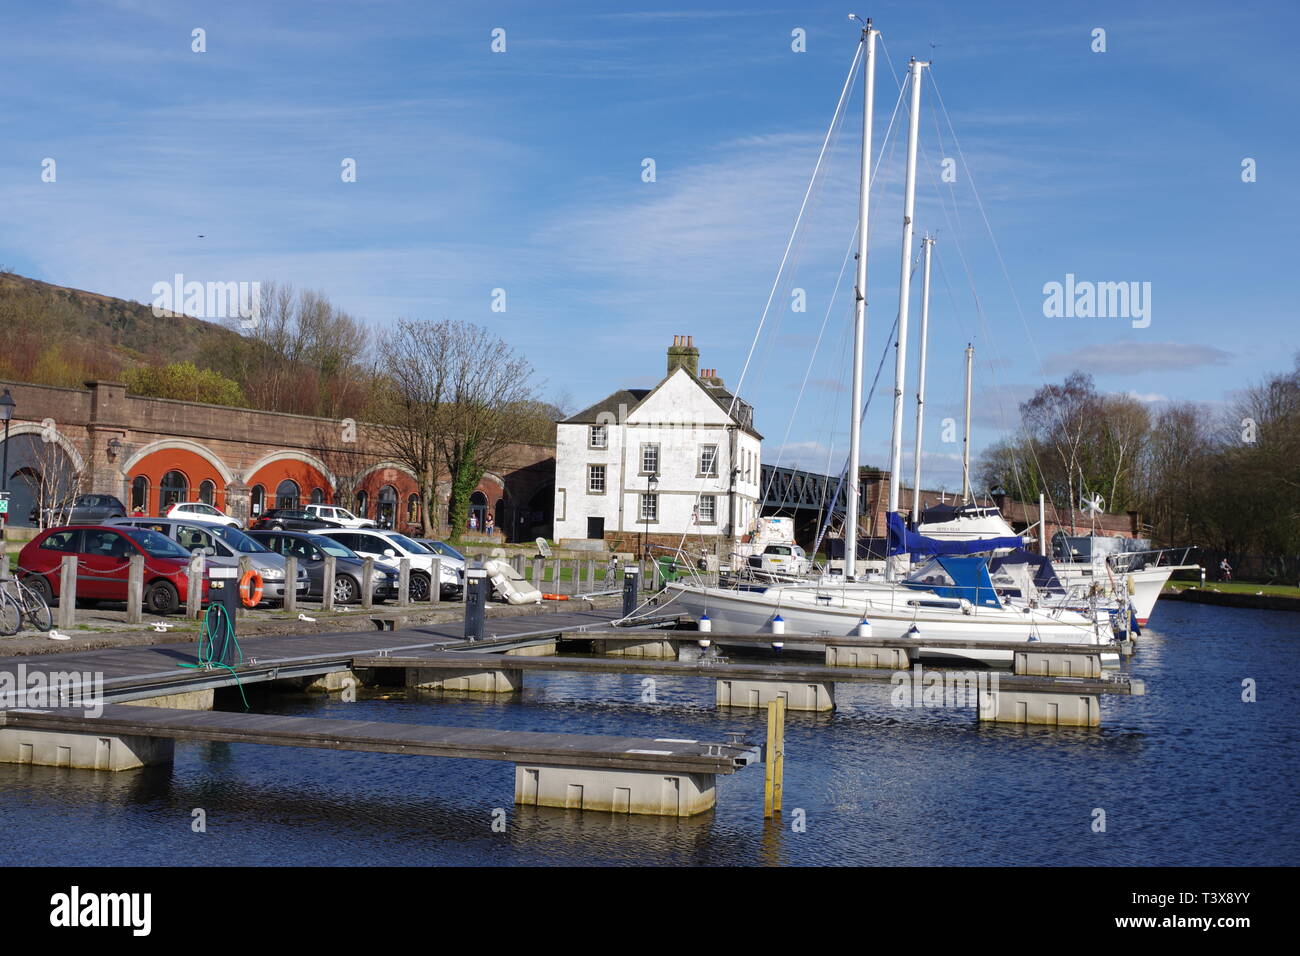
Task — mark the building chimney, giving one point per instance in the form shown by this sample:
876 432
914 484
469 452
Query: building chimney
684 354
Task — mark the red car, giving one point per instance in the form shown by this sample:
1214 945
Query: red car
103 555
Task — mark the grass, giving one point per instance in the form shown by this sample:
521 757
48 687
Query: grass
1240 587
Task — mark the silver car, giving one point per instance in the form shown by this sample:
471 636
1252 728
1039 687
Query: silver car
224 546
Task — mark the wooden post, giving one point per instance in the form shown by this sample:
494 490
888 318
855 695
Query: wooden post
575 580
244 564
194 586
327 584
517 562
290 584
68 593
135 590
774 763
537 573
554 564
404 582
435 589
367 586
591 574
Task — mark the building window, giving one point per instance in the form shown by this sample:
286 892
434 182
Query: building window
599 436
173 489
595 479
413 509
708 461
649 506
207 492
363 502
257 501
386 513
287 494
139 494
650 459
318 496
708 509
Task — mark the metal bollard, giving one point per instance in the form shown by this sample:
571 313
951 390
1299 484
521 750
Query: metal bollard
290 584
135 590
476 589
631 580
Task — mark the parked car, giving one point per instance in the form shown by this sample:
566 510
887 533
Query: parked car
103 558
340 516
392 546
199 511
349 567
85 509
442 548
781 558
289 519
223 547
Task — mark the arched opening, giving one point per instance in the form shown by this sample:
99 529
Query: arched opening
173 489
387 501
257 500
139 495
413 509
42 483
318 496
478 509
287 494
208 491
363 503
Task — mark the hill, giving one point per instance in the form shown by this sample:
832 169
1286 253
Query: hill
61 336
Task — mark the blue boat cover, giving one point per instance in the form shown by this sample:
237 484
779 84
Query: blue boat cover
901 540
952 576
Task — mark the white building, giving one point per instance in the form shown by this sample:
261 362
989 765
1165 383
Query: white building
673 465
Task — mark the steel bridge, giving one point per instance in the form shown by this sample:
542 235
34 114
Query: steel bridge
789 489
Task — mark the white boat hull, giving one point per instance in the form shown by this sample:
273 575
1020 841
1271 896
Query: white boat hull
808 611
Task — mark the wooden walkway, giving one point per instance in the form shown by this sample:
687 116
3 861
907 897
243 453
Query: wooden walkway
136 673
595 752
731 670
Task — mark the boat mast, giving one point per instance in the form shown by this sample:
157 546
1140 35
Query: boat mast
904 289
926 245
965 442
860 303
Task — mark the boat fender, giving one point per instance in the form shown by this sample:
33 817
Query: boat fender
864 628
778 624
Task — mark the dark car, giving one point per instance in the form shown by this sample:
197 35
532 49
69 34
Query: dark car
103 558
85 509
349 567
289 519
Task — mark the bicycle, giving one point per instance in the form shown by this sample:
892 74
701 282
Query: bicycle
21 602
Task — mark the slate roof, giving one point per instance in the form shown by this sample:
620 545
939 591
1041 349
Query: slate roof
629 397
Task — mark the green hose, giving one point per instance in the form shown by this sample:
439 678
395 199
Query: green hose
218 636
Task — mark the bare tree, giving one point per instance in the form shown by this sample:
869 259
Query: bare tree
449 403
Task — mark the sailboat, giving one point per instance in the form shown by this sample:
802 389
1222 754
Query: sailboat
950 597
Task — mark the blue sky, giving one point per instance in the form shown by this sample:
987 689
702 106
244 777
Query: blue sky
522 170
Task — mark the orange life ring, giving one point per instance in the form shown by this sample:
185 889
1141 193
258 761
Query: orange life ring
555 597
251 597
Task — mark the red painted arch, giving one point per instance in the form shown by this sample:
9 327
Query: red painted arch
194 467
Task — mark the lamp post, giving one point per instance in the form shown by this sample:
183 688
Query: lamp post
651 484
7 404
6 414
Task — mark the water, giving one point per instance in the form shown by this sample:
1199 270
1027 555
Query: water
1188 774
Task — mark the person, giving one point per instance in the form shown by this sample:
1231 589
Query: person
473 522
137 511
490 526
1225 570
